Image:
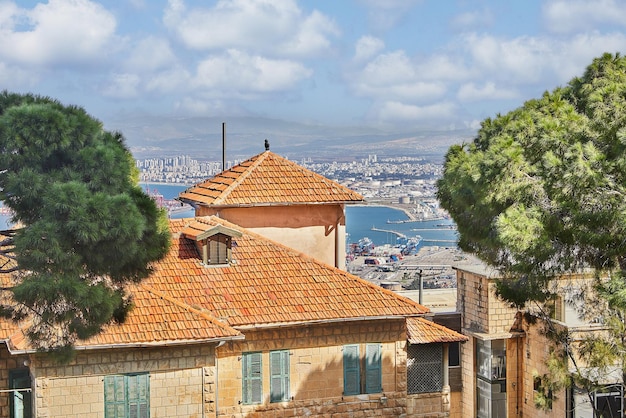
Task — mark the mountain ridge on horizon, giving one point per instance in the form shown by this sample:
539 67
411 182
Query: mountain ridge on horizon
201 137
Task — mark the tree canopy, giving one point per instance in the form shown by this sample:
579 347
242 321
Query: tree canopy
85 229
542 189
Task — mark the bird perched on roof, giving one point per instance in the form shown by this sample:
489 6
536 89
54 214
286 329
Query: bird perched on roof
267 145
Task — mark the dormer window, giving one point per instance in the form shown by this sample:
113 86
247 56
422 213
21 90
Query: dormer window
214 242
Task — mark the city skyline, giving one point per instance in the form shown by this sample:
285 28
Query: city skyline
396 65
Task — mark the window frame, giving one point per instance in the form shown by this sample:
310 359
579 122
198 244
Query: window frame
127 384
16 377
362 375
252 385
279 375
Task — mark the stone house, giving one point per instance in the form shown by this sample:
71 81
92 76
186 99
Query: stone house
506 355
281 200
235 324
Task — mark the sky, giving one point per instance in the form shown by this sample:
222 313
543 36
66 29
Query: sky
392 64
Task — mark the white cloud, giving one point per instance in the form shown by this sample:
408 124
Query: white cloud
443 67
172 80
517 60
400 112
149 54
312 36
384 15
393 76
57 32
122 86
472 20
367 47
265 26
241 74
566 16
471 92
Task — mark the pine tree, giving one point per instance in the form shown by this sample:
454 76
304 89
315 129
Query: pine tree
540 193
85 229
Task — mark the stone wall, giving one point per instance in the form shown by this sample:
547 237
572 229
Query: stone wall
316 371
481 310
180 381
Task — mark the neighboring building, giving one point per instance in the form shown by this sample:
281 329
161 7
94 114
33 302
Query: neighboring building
281 200
506 355
235 324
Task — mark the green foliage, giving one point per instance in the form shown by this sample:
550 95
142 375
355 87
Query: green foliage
541 193
542 190
88 228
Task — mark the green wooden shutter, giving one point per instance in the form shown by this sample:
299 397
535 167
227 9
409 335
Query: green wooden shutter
252 382
127 396
373 368
279 379
138 390
114 397
351 372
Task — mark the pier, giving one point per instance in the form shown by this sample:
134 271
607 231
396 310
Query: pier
398 234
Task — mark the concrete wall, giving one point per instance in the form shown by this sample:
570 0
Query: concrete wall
181 381
316 230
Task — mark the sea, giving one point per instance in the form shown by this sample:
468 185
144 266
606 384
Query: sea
381 224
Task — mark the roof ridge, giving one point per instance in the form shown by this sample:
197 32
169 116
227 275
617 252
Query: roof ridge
244 175
189 308
312 173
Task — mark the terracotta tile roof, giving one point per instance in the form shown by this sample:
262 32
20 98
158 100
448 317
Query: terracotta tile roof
269 283
157 319
267 179
423 331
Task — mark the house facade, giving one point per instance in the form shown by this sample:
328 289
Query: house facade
280 200
232 324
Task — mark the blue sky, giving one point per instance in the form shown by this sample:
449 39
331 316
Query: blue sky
392 64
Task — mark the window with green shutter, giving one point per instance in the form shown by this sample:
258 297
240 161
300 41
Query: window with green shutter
127 396
373 368
279 379
251 376
362 375
351 370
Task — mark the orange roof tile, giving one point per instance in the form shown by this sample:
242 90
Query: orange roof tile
269 283
156 319
267 179
423 331
160 319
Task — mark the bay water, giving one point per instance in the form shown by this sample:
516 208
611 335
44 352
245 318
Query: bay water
381 224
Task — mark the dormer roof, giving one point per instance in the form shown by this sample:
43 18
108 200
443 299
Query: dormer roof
268 179
198 231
